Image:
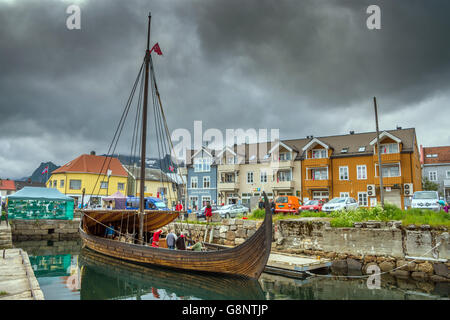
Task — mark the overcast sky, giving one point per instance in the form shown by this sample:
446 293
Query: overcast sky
304 67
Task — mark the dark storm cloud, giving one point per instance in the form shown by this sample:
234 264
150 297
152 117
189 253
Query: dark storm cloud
305 67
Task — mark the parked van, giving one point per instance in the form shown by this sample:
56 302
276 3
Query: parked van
287 204
426 200
150 203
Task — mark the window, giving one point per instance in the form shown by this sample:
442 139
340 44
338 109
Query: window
319 153
432 175
202 165
61 183
447 174
75 184
362 149
194 182
263 177
285 156
390 170
55 183
319 174
344 150
343 173
361 172
344 194
227 177
104 185
120 186
319 195
231 160
206 182
362 199
434 155
206 200
389 148
249 177
284 176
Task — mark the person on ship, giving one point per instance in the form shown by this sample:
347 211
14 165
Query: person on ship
155 242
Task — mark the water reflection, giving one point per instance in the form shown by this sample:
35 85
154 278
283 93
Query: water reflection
66 272
107 278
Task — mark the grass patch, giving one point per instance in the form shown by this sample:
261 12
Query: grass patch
3 293
346 219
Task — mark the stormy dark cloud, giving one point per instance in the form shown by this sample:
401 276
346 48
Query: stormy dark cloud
305 67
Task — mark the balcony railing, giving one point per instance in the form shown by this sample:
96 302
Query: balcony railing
283 185
309 183
228 167
387 157
282 164
389 181
228 185
320 162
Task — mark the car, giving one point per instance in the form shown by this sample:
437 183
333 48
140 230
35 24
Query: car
340 203
150 203
426 200
201 213
312 205
289 204
231 210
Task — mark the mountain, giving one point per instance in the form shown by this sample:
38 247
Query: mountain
153 163
37 175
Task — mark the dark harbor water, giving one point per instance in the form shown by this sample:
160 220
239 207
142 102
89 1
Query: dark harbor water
67 272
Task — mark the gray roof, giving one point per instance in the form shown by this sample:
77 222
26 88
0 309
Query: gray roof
151 174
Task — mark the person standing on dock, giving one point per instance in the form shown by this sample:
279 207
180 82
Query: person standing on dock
179 206
171 240
208 213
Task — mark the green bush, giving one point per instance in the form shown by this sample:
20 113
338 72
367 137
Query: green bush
258 214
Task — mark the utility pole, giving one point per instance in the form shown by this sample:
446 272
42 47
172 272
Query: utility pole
380 171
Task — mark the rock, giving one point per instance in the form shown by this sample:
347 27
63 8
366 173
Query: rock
223 229
339 266
342 256
239 222
241 233
357 225
436 278
381 259
425 267
232 222
441 269
280 241
368 259
406 265
250 232
230 236
215 217
386 266
239 241
411 227
400 274
419 275
228 243
353 264
330 255
233 227
426 286
425 227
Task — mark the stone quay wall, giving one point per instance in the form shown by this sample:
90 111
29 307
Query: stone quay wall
230 232
389 245
44 229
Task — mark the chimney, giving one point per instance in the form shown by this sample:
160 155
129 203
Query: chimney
399 128
92 153
352 132
421 155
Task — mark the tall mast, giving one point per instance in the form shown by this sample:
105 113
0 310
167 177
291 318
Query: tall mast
144 136
380 170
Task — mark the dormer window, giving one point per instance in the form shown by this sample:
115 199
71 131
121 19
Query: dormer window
389 148
344 150
202 164
362 149
319 153
231 160
284 156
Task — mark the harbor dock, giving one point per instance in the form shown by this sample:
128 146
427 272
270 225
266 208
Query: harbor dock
294 265
17 279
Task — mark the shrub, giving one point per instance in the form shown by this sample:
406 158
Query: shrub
258 214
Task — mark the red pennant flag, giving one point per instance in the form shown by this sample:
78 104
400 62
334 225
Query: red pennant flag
45 170
157 49
171 168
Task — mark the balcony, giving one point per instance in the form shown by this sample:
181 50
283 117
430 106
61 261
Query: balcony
228 186
389 181
387 157
320 162
228 167
316 184
283 185
282 164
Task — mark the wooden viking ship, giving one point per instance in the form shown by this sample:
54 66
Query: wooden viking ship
246 260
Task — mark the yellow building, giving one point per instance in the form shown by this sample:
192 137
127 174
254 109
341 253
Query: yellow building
157 184
96 176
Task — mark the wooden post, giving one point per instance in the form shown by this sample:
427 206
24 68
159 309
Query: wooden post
380 170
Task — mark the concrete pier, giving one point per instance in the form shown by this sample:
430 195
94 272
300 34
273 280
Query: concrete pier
5 236
17 280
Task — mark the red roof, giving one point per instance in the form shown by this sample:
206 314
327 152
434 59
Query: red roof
87 163
7 185
436 155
